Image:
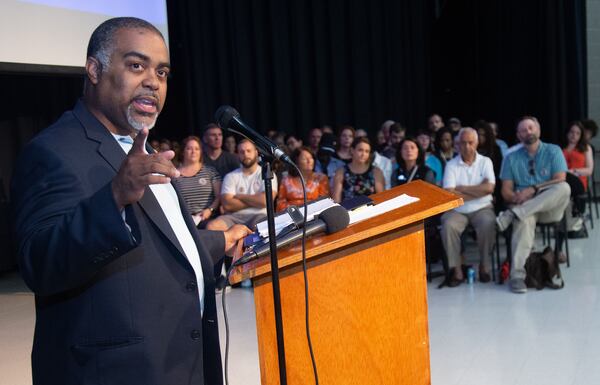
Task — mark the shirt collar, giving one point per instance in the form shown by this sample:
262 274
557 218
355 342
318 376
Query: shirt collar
461 161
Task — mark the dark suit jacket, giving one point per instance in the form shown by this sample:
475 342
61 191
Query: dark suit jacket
112 306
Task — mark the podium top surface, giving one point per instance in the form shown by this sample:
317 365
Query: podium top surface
432 201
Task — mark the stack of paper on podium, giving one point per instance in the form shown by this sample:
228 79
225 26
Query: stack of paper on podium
283 219
367 212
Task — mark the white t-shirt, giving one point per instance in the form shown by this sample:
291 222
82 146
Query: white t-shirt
458 173
236 182
385 165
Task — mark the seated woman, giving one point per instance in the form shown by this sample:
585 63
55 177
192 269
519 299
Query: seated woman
424 140
290 188
444 146
359 177
199 184
578 153
410 164
345 140
580 163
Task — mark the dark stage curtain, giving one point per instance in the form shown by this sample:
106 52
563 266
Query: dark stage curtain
292 65
501 59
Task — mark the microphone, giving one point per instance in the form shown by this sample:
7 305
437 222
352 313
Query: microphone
331 220
228 118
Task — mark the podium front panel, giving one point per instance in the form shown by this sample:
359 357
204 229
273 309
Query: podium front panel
368 314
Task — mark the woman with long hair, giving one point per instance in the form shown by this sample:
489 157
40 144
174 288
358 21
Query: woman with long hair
487 145
359 177
345 140
578 153
424 140
410 164
199 184
290 188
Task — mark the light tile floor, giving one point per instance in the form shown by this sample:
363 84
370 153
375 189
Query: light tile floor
480 334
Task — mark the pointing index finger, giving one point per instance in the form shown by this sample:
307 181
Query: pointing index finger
139 143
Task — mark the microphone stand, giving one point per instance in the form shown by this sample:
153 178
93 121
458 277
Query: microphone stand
267 176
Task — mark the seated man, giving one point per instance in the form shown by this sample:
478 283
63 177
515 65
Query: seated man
243 192
214 156
534 189
470 175
327 163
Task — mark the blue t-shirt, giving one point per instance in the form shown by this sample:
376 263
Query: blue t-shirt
434 164
525 170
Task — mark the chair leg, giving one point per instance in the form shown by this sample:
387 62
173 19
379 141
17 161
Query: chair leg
595 197
564 226
590 201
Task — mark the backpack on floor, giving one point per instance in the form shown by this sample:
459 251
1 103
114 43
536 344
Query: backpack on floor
542 270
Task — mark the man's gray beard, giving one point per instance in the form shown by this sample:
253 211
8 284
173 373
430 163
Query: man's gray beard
530 140
138 126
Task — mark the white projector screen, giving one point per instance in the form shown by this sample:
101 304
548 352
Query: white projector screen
52 33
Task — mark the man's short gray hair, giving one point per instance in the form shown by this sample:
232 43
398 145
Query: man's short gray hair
464 130
101 42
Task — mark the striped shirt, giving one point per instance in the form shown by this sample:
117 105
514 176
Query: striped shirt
198 190
525 170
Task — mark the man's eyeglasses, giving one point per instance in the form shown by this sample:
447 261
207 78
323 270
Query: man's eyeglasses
531 167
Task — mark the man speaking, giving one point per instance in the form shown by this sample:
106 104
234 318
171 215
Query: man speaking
123 281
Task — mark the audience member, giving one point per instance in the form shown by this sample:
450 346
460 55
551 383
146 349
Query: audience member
279 140
358 177
223 161
534 189
360 133
314 137
590 129
292 142
345 140
380 161
410 164
501 143
381 141
230 144
327 129
487 144
385 129
470 175
243 192
155 144
424 140
454 125
290 189
199 184
434 123
397 133
444 146
580 163
327 163
578 153
164 146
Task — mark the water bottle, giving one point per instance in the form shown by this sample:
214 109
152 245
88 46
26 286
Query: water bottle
470 275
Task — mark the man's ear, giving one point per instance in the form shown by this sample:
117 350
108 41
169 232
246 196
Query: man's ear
93 69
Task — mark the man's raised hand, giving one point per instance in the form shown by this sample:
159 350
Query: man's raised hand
139 170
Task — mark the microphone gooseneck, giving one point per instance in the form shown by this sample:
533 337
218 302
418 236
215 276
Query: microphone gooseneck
228 118
331 220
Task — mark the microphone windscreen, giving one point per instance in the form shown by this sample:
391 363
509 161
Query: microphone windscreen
336 218
224 115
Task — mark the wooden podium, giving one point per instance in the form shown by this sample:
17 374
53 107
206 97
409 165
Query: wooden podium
368 299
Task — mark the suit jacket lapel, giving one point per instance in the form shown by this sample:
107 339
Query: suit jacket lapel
111 151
